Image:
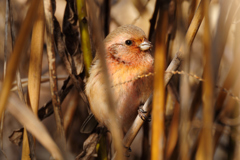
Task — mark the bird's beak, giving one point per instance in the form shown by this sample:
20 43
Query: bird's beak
146 45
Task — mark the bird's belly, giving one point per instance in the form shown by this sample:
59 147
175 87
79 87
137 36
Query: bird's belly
129 98
128 94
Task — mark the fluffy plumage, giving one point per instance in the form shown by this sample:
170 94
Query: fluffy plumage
127 56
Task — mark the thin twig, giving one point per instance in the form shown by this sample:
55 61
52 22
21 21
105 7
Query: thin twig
173 132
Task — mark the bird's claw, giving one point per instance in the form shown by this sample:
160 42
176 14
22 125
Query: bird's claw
143 116
128 150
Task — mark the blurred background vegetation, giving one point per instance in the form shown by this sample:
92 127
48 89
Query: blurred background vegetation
186 129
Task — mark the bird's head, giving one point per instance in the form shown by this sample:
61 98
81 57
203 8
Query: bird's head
127 44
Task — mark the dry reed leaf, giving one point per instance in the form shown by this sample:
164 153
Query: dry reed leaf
26 152
26 117
205 146
16 137
85 37
25 146
173 132
28 22
14 60
34 75
158 110
72 59
71 38
60 45
35 64
44 112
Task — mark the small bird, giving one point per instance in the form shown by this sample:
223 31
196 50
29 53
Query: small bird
127 57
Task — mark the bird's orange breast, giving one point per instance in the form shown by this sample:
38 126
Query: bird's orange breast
129 89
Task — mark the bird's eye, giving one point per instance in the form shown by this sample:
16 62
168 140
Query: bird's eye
128 42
